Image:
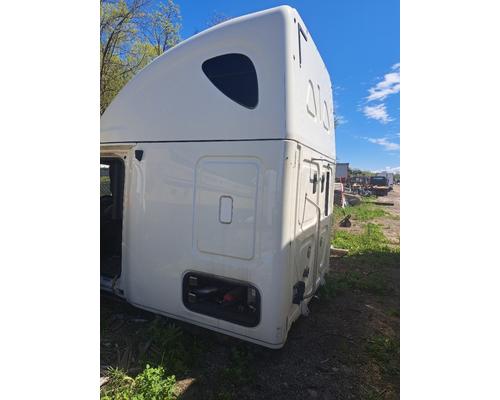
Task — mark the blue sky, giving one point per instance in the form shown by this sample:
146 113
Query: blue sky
359 42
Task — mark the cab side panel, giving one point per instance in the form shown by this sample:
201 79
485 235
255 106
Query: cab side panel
191 209
307 231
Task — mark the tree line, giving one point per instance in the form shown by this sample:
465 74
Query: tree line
132 33
358 172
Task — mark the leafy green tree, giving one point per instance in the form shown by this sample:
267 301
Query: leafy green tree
132 33
162 27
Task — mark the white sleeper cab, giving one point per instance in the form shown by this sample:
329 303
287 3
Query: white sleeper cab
217 170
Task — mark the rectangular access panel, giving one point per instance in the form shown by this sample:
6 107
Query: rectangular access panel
225 206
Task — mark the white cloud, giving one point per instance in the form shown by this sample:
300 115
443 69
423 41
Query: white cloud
385 143
378 112
340 120
394 170
389 85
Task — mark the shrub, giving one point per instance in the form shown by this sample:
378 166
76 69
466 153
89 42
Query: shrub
150 384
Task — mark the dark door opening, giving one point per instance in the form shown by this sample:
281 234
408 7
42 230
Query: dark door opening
112 180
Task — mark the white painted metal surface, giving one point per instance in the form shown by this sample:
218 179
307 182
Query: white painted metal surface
222 189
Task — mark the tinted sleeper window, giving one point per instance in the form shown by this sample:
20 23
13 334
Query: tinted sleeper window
235 76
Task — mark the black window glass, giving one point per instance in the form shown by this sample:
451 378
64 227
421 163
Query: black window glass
378 180
235 76
327 193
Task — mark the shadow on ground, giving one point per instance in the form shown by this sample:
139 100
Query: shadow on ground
348 347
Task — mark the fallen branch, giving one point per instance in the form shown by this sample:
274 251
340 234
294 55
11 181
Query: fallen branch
346 221
338 252
104 380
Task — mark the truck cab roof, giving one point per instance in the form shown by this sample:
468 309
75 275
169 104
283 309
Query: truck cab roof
256 77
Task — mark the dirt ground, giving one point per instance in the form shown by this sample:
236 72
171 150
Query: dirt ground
345 349
390 224
393 196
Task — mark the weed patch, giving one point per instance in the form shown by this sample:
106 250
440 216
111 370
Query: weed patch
150 384
372 240
172 348
385 352
239 372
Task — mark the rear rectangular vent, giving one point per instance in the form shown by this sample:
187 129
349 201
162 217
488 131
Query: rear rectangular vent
227 299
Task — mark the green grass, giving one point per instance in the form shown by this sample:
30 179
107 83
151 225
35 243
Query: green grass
237 373
150 384
393 313
371 240
172 348
370 256
384 350
375 283
369 249
365 211
172 351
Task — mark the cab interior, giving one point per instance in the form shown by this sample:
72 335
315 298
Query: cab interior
112 178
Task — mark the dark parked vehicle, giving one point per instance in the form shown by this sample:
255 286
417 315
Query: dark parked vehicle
379 185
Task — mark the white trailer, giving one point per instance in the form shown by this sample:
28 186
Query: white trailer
342 172
219 157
